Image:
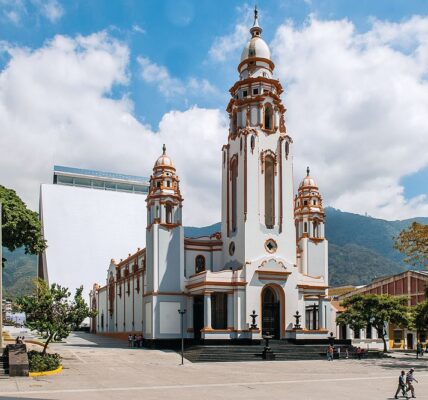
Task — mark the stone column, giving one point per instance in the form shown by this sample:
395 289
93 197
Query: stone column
189 315
230 324
207 310
320 313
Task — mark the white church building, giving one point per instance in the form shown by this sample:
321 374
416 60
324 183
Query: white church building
268 264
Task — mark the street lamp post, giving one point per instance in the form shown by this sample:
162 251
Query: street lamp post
182 312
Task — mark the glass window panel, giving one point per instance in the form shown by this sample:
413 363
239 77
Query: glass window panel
65 180
82 182
110 186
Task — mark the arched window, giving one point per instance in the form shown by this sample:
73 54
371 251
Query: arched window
168 210
234 122
268 117
199 263
269 192
315 229
234 178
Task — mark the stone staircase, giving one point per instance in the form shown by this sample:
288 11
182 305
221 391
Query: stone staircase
283 350
4 366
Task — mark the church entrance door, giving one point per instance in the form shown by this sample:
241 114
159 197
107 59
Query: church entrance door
198 316
270 313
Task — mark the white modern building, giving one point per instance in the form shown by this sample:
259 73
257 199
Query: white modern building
86 216
268 264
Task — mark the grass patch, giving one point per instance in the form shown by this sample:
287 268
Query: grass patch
40 363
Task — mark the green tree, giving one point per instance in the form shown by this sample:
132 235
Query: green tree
420 316
377 310
20 226
51 312
413 243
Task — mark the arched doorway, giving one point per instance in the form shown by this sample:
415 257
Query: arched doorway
271 317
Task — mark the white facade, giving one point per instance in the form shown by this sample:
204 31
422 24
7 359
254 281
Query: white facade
270 258
84 228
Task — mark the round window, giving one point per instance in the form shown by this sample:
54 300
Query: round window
271 245
232 248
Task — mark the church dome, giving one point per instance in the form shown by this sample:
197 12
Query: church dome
307 181
164 160
256 47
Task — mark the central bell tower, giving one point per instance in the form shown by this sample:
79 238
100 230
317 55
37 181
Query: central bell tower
257 180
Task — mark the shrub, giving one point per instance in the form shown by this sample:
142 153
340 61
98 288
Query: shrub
39 362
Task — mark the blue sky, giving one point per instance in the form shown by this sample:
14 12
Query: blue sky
179 33
177 37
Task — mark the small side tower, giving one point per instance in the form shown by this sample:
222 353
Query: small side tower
312 246
164 252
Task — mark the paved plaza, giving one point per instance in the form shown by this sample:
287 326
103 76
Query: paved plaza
102 368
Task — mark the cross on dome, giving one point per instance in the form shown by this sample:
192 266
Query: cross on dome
164 160
256 30
256 46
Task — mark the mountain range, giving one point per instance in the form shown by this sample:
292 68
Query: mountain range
360 250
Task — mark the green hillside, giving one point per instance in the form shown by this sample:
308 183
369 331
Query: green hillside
360 249
372 233
352 264
18 274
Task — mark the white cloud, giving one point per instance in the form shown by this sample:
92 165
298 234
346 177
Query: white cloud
228 45
170 86
50 9
13 10
357 113
55 109
16 10
137 28
357 109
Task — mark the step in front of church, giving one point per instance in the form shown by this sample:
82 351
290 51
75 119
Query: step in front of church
283 351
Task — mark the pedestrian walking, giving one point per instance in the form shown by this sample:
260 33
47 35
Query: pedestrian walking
129 340
134 340
409 381
330 351
359 352
401 385
418 350
331 339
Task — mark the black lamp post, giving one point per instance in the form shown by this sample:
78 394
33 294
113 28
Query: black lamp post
182 312
297 324
254 316
267 353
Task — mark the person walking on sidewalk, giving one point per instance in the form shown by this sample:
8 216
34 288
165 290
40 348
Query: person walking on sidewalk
409 381
401 385
330 351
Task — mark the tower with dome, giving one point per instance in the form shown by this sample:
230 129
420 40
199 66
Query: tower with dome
268 263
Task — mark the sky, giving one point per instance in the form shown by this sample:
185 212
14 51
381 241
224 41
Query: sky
103 84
